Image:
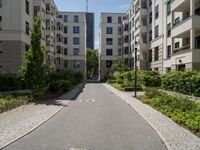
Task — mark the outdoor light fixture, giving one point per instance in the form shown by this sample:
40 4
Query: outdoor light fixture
136 71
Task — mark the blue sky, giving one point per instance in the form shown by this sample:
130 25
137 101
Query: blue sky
96 6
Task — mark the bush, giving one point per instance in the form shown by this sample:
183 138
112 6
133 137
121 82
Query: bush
9 82
180 109
60 86
185 82
149 78
74 77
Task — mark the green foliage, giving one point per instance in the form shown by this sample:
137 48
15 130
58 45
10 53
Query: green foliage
9 82
185 82
35 72
92 63
60 86
70 75
119 66
149 78
179 109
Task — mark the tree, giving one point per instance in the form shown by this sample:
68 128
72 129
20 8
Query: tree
34 71
119 65
92 63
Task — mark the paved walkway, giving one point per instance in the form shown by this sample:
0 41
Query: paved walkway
97 120
174 136
20 121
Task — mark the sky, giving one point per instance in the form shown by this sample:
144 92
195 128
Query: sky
96 6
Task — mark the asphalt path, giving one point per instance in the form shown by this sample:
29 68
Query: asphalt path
96 120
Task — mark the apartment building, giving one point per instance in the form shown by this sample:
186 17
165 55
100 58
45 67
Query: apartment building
65 35
165 34
15 21
71 41
110 32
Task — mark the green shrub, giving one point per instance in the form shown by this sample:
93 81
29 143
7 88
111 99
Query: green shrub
74 77
9 82
180 109
185 82
60 86
149 78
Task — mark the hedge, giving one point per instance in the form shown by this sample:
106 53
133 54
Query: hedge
9 82
185 82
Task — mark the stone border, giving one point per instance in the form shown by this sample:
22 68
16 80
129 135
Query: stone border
37 123
174 136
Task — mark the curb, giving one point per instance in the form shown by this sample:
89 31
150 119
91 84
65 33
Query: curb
69 95
166 141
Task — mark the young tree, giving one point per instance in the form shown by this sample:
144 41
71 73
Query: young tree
34 71
92 63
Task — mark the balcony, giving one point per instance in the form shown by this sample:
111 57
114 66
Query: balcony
140 12
185 25
140 29
178 5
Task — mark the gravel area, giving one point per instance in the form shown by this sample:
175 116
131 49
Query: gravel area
18 122
174 136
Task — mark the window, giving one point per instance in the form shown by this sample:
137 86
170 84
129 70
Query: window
59 60
168 69
119 19
27 7
156 31
0 3
65 63
76 18
109 30
156 11
65 51
119 41
150 17
0 18
177 45
65 18
76 30
76 41
177 21
65 40
150 55
65 29
1 66
76 64
150 3
109 41
26 47
58 49
197 11
126 50
169 49
169 7
109 19
119 52
109 52
169 29
150 35
156 69
109 63
119 30
76 51
27 28
156 53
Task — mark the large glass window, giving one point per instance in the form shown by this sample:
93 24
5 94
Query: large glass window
109 19
109 63
65 18
156 11
76 29
109 30
27 7
109 52
76 51
109 41
156 53
76 18
76 41
156 31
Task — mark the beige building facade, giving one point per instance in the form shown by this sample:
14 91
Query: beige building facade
165 34
64 34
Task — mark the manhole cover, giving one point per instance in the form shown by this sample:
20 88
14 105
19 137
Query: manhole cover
88 100
76 148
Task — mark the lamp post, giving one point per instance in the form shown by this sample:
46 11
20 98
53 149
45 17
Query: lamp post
136 70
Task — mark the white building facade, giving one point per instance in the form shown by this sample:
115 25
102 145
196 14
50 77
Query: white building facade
64 34
165 34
